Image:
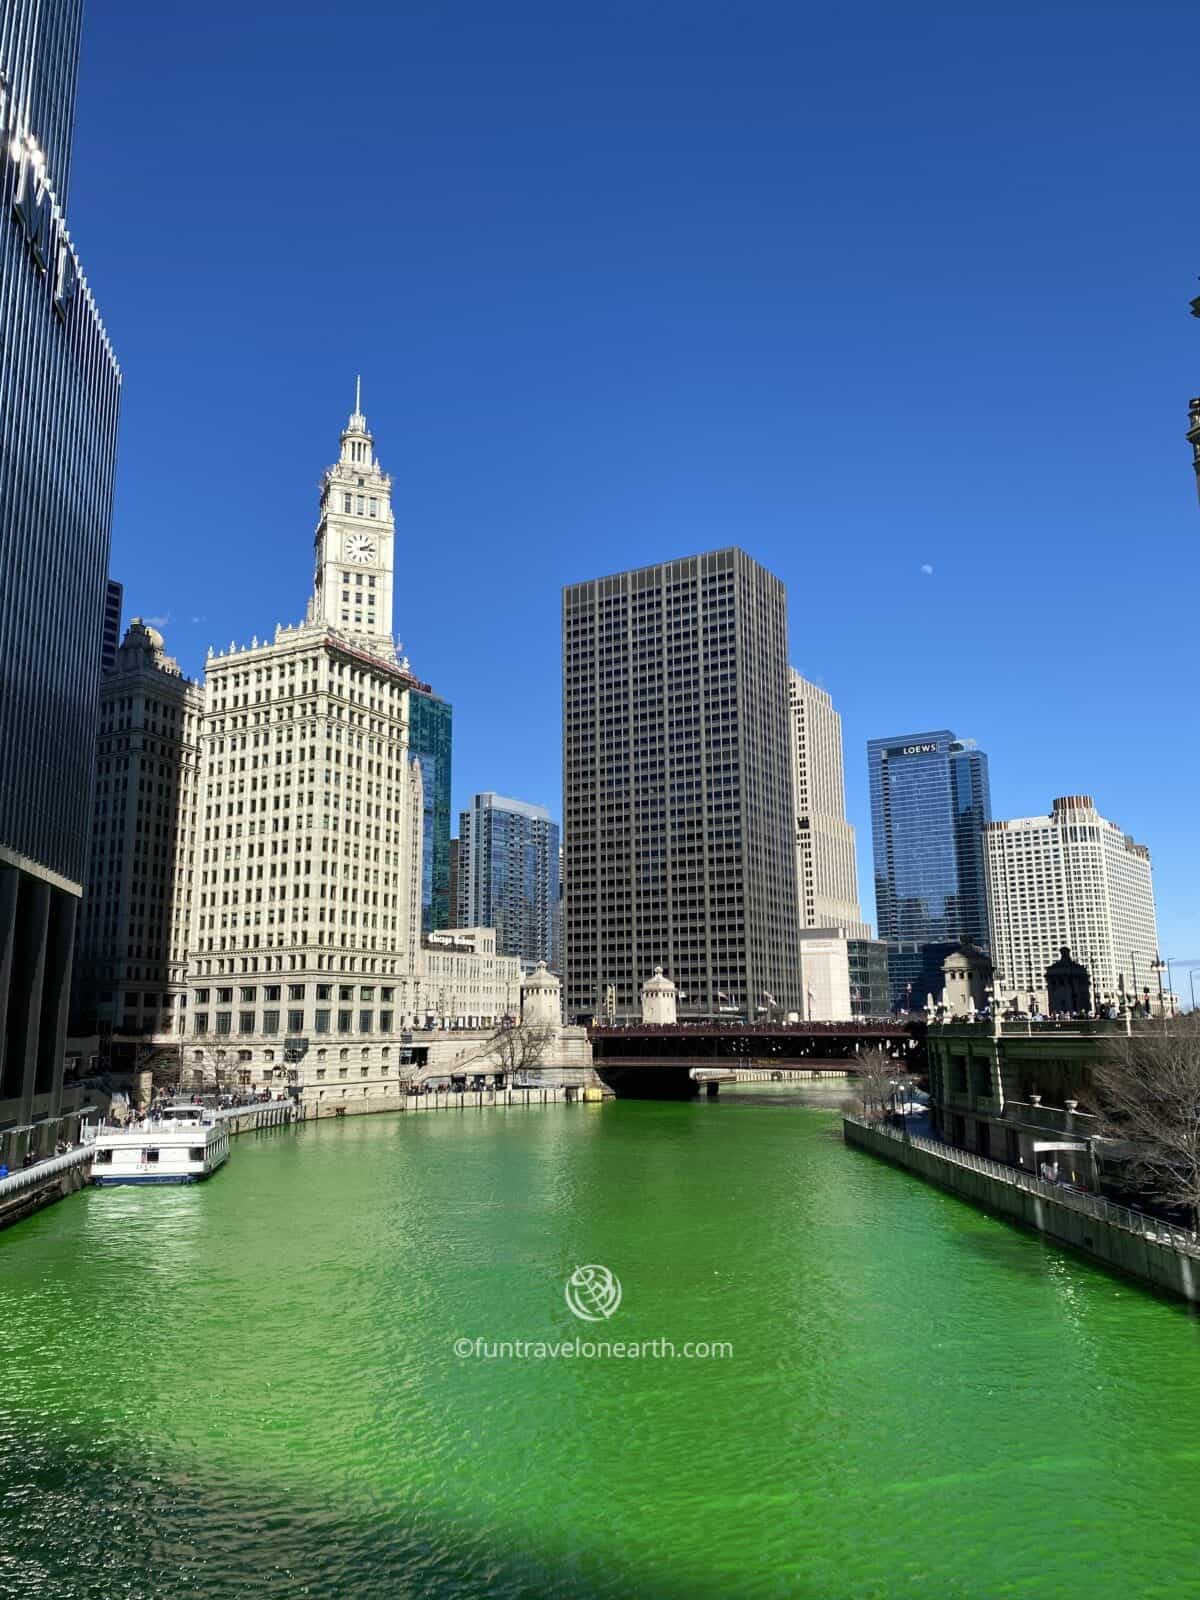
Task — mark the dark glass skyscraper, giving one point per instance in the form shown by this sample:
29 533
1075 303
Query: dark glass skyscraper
430 726
59 398
929 802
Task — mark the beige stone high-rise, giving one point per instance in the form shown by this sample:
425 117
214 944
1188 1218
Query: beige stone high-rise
306 939
826 868
1070 879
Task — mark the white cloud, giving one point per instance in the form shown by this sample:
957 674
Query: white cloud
927 568
199 619
157 622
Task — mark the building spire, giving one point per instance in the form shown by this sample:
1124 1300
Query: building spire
358 394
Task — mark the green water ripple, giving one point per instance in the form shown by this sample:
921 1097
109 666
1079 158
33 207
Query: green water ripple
250 1386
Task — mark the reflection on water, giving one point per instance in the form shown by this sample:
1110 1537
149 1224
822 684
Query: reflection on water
250 1386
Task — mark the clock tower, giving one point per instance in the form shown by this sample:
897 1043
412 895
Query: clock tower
352 585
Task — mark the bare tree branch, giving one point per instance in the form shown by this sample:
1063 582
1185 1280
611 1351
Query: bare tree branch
1148 1094
876 1074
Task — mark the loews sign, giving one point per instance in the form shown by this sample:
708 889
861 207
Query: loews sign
34 206
928 749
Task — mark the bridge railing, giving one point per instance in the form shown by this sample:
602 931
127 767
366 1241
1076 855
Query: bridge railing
1127 1218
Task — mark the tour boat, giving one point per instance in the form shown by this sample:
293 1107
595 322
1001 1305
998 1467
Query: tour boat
186 1143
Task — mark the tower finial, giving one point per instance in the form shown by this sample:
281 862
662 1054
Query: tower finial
358 394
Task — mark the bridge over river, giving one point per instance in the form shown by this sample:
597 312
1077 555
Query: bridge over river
644 1061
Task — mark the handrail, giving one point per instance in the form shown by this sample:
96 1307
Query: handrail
1127 1218
28 1176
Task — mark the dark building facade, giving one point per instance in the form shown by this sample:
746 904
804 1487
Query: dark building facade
678 815
508 876
59 401
430 731
929 801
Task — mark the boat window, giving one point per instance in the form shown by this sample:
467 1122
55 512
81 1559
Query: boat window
196 1153
104 1158
151 1154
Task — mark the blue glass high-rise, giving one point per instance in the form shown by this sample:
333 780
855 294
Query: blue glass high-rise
430 727
929 801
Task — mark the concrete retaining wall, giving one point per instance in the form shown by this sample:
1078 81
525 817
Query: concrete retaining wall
15 1207
1139 1255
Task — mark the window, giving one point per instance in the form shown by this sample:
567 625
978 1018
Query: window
245 1022
270 1022
271 992
347 503
345 992
322 1022
374 504
200 1018
344 1019
224 1021
324 991
224 997
201 997
385 1022
365 1021
366 992
248 996
295 991
295 1021
342 1071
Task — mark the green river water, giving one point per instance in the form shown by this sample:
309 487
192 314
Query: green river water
249 1387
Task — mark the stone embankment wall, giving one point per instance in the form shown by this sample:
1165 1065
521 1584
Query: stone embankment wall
357 1103
1138 1246
15 1207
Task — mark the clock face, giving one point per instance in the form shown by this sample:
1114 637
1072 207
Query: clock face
360 547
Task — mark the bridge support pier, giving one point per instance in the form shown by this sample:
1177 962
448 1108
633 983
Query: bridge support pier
712 1089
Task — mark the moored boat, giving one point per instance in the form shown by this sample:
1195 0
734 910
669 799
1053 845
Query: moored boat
182 1144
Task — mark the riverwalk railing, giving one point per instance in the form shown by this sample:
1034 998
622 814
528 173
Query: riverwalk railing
1139 1223
27 1177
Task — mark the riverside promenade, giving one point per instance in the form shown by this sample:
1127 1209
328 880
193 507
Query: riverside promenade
1165 1257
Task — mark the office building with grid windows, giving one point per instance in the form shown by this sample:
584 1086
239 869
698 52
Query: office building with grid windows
1071 880
678 817
59 401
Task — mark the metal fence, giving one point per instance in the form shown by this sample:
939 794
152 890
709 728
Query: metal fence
28 1176
1140 1223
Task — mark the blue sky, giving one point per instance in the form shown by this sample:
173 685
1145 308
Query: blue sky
893 296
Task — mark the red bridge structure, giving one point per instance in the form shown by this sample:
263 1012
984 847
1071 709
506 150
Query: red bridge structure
658 1062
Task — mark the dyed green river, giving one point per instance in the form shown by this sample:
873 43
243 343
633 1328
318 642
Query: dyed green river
250 1387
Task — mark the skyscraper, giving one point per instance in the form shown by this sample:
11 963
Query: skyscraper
1071 879
677 790
430 729
508 876
929 802
134 929
825 858
305 942
59 400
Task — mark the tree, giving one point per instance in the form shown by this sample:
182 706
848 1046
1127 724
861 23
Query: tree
876 1076
521 1046
1147 1090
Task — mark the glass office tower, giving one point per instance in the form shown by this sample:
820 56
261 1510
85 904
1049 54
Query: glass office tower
430 726
59 398
508 876
929 802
